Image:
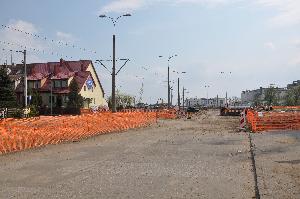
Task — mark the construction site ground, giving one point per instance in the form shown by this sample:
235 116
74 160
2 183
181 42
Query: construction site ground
205 157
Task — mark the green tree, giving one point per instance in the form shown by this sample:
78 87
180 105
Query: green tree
75 99
293 97
36 98
59 101
122 100
7 93
256 100
271 96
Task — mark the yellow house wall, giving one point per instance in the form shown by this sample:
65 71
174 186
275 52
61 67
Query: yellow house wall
43 81
96 93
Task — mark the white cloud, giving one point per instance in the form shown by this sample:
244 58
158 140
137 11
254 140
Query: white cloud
297 43
207 2
270 45
289 11
122 6
66 37
20 39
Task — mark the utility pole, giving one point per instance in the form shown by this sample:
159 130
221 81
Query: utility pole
51 98
171 96
183 98
11 58
113 74
217 101
25 77
178 94
226 100
113 77
169 59
168 85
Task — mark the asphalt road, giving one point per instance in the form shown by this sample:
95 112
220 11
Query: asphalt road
200 158
175 159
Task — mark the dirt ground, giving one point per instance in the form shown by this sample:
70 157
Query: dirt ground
204 157
278 164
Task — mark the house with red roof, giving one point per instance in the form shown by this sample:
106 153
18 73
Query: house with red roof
52 79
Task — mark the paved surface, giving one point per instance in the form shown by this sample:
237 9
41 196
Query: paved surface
278 164
200 158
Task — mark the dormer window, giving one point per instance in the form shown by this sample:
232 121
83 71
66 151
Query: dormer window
64 84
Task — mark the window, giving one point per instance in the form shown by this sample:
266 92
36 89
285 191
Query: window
64 84
66 99
30 84
94 100
57 84
84 88
37 84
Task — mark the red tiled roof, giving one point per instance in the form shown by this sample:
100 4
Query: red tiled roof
57 71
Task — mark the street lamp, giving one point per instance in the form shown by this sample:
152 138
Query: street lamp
178 92
113 93
225 74
207 87
183 91
25 75
169 59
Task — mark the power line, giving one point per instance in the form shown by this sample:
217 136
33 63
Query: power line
44 38
34 49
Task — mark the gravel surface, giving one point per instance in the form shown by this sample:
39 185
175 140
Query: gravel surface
278 164
199 158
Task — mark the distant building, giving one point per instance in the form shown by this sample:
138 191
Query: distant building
204 102
40 76
294 84
250 97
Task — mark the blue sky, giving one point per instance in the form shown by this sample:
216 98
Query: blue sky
258 41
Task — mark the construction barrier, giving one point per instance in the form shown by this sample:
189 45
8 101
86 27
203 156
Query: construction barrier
243 119
21 134
273 120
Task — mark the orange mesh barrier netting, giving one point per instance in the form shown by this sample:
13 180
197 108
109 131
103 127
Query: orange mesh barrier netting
269 121
20 134
163 114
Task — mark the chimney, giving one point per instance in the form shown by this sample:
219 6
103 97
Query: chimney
61 61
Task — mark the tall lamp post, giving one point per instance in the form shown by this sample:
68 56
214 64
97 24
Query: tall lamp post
25 76
226 97
178 86
113 90
207 87
169 59
183 101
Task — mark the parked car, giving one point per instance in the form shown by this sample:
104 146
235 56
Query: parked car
192 110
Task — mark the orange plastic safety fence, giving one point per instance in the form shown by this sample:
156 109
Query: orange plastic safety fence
20 134
268 121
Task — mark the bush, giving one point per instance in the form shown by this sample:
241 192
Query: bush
33 111
18 113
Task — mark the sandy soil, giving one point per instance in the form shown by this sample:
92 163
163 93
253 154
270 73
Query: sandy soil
278 164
